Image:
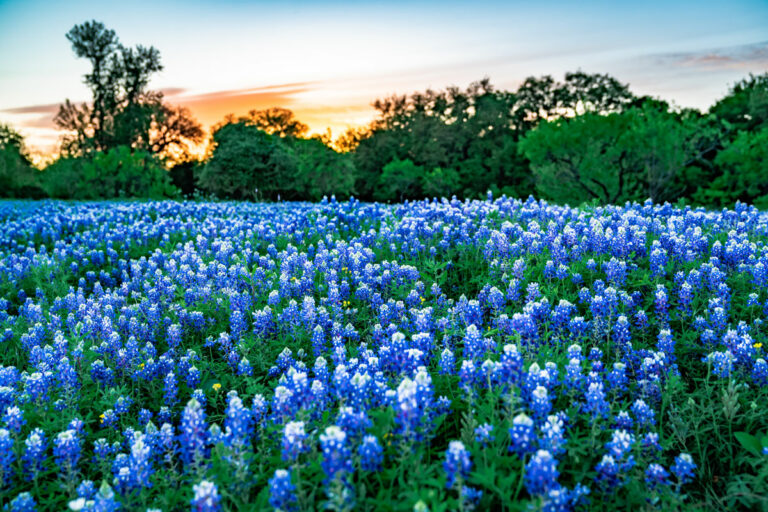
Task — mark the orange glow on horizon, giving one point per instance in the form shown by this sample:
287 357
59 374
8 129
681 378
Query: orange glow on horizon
309 106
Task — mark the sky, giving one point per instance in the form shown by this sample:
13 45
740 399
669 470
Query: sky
329 60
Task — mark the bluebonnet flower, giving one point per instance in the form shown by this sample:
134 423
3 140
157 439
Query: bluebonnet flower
608 473
336 457
617 378
281 491
596 403
206 498
470 497
621 444
193 377
23 502
193 437
66 451
34 453
683 468
760 371
457 463
656 476
522 435
123 405
624 421
644 415
621 332
171 390
238 421
371 454
447 362
484 434
541 473
650 443
294 440
7 456
553 435
540 402
666 343
14 419
139 462
174 336
413 400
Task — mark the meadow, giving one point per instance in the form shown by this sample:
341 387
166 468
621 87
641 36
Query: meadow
490 354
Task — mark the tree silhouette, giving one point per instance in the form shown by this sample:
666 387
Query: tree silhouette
122 111
277 121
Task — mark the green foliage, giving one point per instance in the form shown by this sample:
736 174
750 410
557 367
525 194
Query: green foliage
183 176
249 163
440 182
744 173
400 180
322 171
469 132
545 99
580 159
612 158
745 107
17 177
123 111
120 172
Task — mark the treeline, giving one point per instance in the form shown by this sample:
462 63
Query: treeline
587 138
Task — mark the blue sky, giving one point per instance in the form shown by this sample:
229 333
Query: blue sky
329 60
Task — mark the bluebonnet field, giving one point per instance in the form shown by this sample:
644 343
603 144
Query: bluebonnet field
449 355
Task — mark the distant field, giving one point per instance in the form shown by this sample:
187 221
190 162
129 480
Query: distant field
487 355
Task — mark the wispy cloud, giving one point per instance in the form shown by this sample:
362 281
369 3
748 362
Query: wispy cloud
36 121
740 57
50 108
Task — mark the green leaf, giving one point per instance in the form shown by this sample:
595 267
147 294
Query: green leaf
749 442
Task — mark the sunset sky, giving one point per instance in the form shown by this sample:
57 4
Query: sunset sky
327 61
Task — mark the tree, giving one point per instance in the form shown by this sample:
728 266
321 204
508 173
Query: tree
174 132
745 108
400 180
17 177
544 98
247 162
350 139
580 159
10 138
743 166
118 172
321 171
440 182
468 134
277 121
123 112
634 155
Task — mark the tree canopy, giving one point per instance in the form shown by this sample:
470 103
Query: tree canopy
123 111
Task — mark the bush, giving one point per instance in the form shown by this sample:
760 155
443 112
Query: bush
440 182
249 163
628 156
399 180
17 178
744 173
119 172
322 171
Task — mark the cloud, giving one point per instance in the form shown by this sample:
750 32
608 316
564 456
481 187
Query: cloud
51 109
742 57
306 99
211 107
